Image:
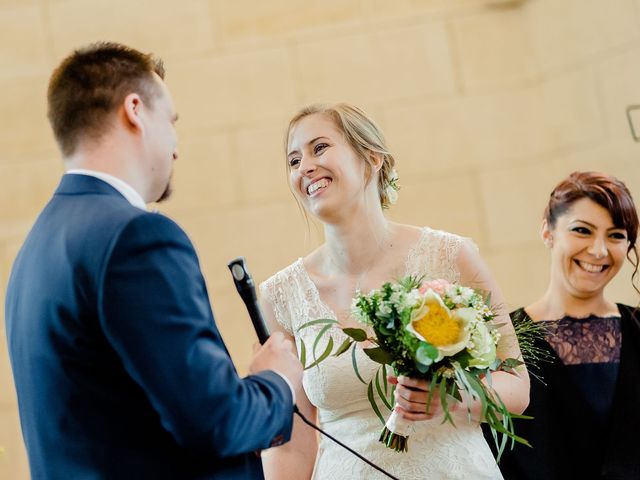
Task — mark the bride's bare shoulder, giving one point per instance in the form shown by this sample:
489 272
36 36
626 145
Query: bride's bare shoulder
407 233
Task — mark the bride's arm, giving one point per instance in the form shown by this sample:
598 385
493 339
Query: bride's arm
512 388
296 458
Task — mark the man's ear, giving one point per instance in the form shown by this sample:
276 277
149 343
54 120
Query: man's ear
132 107
546 234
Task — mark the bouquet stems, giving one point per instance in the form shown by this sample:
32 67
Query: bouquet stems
395 434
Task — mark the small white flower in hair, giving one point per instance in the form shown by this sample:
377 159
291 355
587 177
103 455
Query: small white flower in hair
391 189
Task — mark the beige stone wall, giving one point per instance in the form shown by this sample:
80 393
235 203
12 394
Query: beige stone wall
487 104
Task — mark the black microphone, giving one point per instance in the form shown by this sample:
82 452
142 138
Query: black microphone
246 289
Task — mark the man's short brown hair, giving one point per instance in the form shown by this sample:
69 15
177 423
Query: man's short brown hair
88 86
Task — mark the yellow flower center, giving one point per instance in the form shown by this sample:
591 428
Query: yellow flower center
438 327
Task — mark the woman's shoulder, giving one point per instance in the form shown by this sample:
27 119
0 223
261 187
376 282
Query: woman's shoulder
287 274
627 311
430 237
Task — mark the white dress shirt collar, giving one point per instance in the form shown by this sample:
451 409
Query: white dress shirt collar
121 186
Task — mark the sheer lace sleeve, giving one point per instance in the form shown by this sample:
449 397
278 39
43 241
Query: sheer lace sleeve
274 290
435 254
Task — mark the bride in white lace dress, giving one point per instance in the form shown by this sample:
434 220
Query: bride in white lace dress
342 173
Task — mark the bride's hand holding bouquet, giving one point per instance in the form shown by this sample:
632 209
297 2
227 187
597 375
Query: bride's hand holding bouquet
440 339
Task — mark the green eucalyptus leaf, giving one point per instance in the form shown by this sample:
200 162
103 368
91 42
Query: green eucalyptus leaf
384 379
444 402
357 334
318 337
426 353
354 362
379 355
317 322
303 353
325 354
432 386
381 394
373 403
343 348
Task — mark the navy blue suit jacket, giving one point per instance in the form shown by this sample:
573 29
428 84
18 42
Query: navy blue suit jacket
119 367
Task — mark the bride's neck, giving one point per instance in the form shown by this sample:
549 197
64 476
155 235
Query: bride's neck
353 246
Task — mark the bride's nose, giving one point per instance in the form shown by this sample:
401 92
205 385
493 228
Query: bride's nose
307 166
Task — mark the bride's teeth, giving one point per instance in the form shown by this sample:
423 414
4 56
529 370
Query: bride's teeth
317 185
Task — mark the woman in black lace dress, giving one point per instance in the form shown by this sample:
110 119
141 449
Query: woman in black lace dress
587 416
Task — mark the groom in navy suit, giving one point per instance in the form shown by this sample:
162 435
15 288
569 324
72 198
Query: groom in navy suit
119 367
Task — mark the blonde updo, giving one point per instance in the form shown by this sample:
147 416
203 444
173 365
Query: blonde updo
364 136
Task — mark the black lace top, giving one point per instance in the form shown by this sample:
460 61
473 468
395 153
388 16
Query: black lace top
585 340
587 404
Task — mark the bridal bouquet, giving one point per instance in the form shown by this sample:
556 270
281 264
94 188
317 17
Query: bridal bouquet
436 331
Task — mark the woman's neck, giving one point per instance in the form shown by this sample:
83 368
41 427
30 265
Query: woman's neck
353 246
557 303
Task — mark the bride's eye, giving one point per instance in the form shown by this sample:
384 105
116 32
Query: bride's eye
319 148
294 162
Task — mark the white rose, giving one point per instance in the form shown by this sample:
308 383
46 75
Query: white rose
484 346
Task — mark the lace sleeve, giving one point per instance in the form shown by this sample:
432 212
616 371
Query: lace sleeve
435 255
272 290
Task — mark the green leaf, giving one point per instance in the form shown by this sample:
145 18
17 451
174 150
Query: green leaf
384 379
324 355
316 322
378 355
372 401
487 297
343 348
318 337
381 394
303 353
432 386
510 363
426 353
357 334
444 402
422 368
455 392
355 364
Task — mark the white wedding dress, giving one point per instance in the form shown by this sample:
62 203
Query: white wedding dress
436 450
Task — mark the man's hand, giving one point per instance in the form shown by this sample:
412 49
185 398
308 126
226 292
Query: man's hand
277 355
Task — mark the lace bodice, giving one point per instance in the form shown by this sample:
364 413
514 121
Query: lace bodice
436 450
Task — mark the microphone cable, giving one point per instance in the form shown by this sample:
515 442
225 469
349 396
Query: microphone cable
246 289
315 427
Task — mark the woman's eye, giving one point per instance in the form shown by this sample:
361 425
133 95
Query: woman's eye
581 230
619 236
319 148
294 162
